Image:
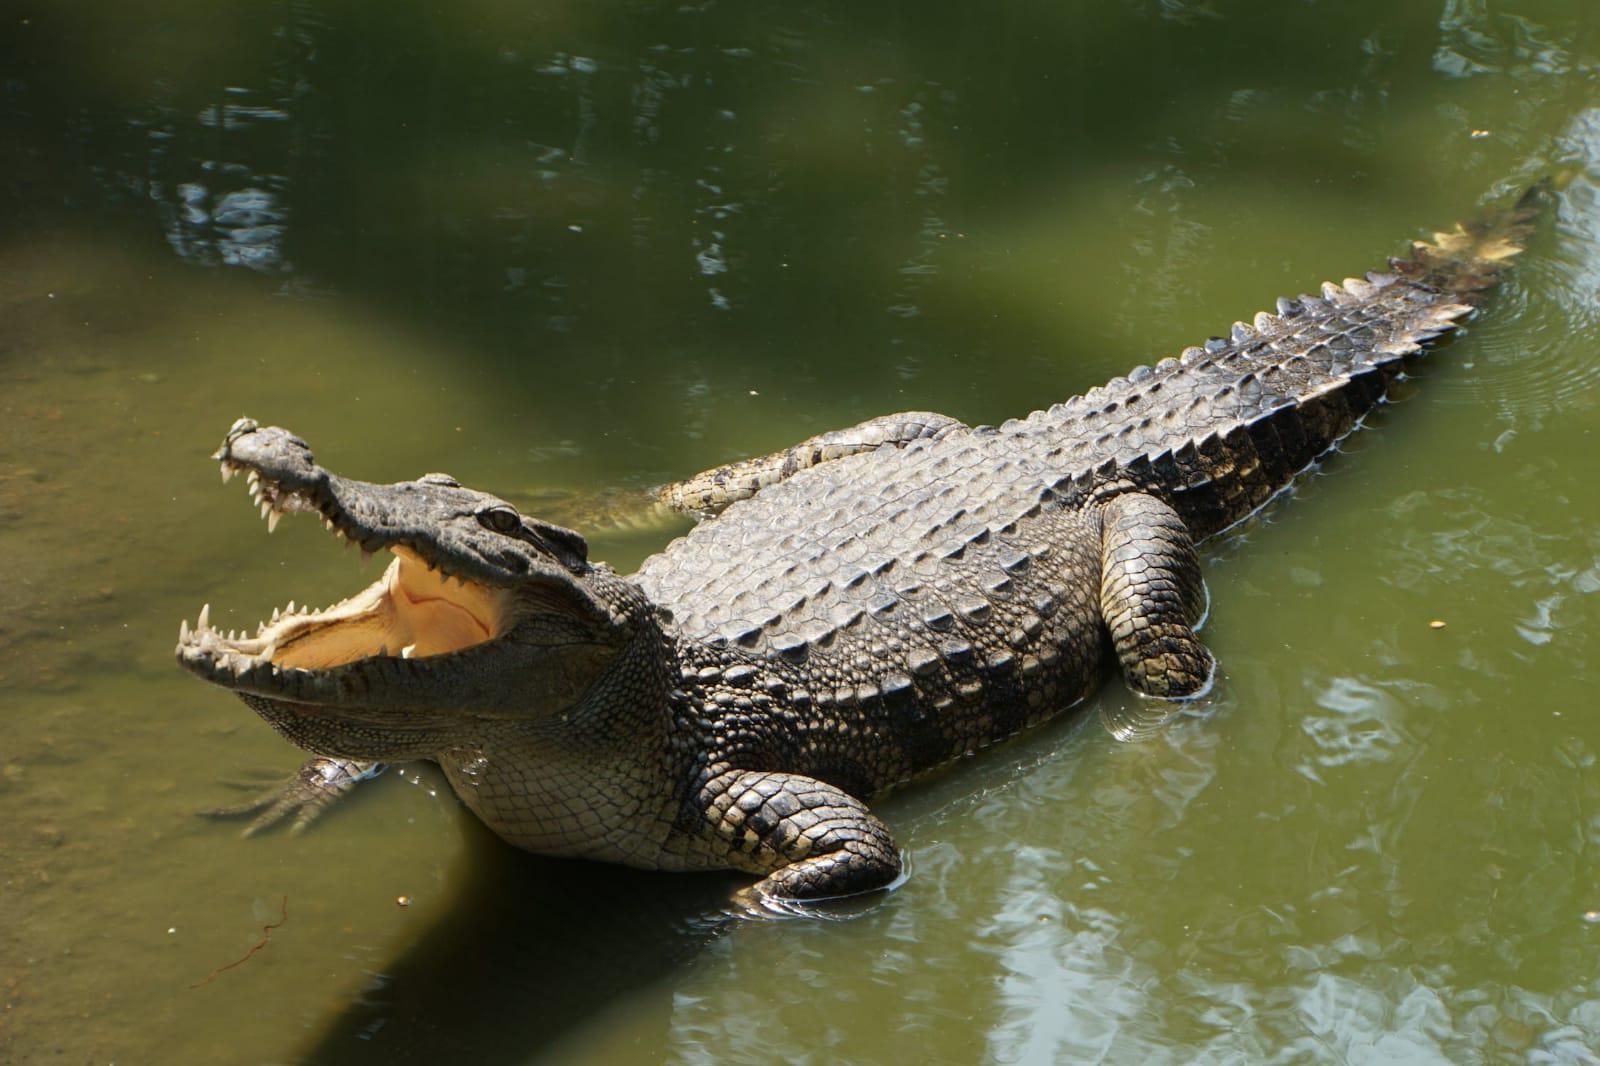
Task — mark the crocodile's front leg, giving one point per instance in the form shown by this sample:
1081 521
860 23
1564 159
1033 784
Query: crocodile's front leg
1151 596
810 840
309 792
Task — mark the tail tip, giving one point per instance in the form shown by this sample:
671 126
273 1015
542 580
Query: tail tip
1469 258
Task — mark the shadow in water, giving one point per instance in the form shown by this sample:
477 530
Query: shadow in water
531 949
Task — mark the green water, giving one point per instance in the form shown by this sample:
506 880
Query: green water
592 246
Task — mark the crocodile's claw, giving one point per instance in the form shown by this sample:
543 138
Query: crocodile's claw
309 792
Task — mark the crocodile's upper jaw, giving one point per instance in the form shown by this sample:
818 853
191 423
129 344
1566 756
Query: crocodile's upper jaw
484 613
417 609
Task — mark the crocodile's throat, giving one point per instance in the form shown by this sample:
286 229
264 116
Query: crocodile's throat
416 610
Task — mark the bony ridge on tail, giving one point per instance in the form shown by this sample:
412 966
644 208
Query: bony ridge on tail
864 607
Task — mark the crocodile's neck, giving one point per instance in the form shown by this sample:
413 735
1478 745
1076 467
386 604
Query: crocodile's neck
571 783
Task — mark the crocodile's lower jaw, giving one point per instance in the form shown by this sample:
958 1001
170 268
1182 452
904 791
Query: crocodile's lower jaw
412 611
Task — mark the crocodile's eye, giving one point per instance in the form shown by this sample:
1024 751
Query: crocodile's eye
500 519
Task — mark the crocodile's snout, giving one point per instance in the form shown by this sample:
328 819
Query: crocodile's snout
272 452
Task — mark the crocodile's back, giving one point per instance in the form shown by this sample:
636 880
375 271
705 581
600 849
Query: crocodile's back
890 610
834 534
927 533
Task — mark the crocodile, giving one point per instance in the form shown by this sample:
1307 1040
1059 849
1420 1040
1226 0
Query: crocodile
850 613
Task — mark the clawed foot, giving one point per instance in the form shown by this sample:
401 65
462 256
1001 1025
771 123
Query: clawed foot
813 842
302 799
760 901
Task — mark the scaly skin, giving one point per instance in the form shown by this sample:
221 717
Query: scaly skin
874 603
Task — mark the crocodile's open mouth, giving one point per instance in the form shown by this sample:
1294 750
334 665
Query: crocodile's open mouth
415 610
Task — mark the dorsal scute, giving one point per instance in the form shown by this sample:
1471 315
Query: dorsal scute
1218 428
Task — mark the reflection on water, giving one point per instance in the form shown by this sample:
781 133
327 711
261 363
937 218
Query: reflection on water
242 228
571 252
1362 727
1068 988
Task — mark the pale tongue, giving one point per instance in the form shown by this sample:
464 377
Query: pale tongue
417 614
427 614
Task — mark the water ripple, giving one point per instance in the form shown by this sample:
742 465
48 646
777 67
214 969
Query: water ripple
1068 989
1523 359
1361 729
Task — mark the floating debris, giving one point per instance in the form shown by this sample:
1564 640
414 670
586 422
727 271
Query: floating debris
266 938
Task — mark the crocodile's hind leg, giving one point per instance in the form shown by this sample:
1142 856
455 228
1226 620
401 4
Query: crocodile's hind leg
811 840
1151 596
712 490
304 797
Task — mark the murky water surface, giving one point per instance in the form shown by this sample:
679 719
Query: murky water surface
591 246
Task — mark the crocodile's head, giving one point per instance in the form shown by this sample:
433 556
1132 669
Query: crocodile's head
484 614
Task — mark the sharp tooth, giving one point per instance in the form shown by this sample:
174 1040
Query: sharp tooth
272 520
254 479
203 622
183 631
328 522
276 612
408 651
289 609
227 473
266 508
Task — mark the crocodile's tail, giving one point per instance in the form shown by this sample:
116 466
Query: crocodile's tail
1469 260
1224 426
